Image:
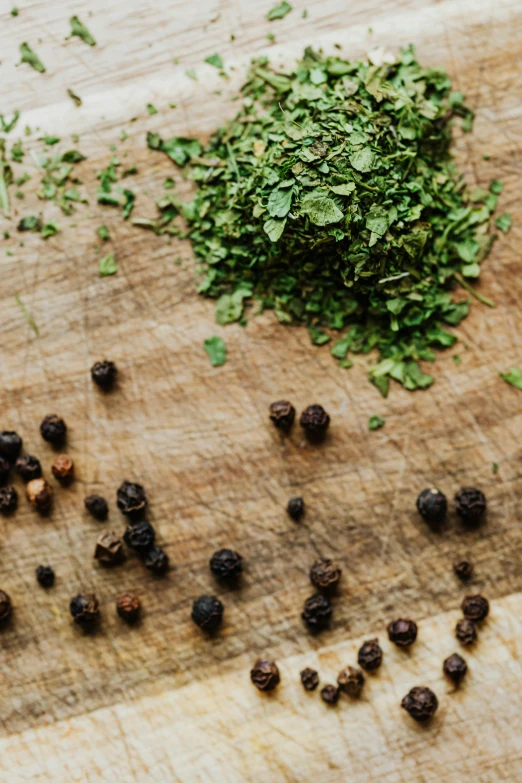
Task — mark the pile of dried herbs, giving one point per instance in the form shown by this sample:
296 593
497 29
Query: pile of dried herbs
332 199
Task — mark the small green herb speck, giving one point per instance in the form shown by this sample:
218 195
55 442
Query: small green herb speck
80 30
503 222
279 11
495 467
107 265
376 422
27 55
74 97
215 60
513 377
191 73
216 350
151 109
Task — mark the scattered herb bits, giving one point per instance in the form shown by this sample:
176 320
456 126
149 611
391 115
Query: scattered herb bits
28 467
282 413
466 632
8 500
463 569
131 499
295 508
402 632
470 505
45 576
309 679
330 694
351 681
207 612
432 505
421 703
140 536
128 607
63 468
53 429
104 374
455 668
317 612
84 609
6 607
325 575
97 507
315 422
265 675
475 607
369 656
109 549
156 560
226 564
40 495
10 445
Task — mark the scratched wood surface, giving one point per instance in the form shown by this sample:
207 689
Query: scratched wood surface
159 702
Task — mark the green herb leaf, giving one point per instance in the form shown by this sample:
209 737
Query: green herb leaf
81 31
75 98
30 223
49 229
31 58
49 140
8 125
513 377
216 351
107 265
376 422
27 315
215 60
320 209
103 232
496 186
191 73
279 11
503 222
73 156
151 109
495 467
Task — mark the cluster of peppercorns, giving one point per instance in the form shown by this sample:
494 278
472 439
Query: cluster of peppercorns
314 419
207 610
470 505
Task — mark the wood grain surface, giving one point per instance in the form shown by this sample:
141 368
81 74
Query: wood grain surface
160 702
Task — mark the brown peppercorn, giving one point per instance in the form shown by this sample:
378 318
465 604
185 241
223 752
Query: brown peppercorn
40 494
330 694
295 508
226 564
325 574
8 500
156 560
97 507
265 675
315 420
455 668
351 681
10 445
104 374
466 632
475 607
131 498
84 608
421 703
463 569
370 655
109 549
207 612
470 504
6 607
282 413
63 468
5 469
139 536
128 607
310 679
53 429
317 612
402 632
28 467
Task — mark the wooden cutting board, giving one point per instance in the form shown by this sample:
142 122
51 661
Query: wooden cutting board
159 702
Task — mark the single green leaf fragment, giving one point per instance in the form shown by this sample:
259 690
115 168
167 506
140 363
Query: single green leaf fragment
27 315
513 377
50 140
318 336
215 60
495 467
103 232
191 73
279 11
496 186
73 156
321 209
216 350
151 109
376 422
30 223
81 31
503 222
49 229
107 265
14 11
31 58
74 97
8 125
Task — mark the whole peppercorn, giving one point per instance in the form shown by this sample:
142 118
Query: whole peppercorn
370 655
109 549
317 612
131 498
463 569
466 632
8 500
63 468
84 608
295 508
10 445
40 494
5 469
432 505
475 607
351 681
140 536
402 632
45 576
282 413
330 694
226 564
128 607
265 675
53 429
421 703
6 607
310 679
104 373
455 668
207 612
97 507
28 467
325 574
156 560
470 504
315 420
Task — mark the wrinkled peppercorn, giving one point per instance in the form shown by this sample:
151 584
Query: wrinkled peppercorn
207 612
156 560
97 507
470 504
310 679
295 508
10 445
131 498
8 500
128 607
315 420
40 494
63 468
5 469
421 703
330 694
226 564
351 681
84 608
466 632
28 467
140 536
455 668
475 607
402 632
463 569
325 574
265 675
370 655
109 549
317 612
282 413
45 576
104 373
6 607
53 429
432 505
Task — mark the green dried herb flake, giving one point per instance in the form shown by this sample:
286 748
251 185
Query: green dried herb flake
151 109
513 377
376 422
279 11
216 350
215 60
49 229
107 265
80 30
103 232
503 222
27 55
74 97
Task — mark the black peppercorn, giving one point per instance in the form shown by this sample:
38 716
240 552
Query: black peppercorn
84 608
226 564
109 549
466 632
131 498
432 505
97 507
330 694
463 569
282 413
156 560
265 675
10 445
104 373
140 536
315 420
455 668
421 703
402 632
28 467
53 429
40 495
295 508
475 607
128 607
370 655
325 574
8 500
207 612
470 504
6 607
5 469
317 612
63 468
309 679
351 681
45 576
